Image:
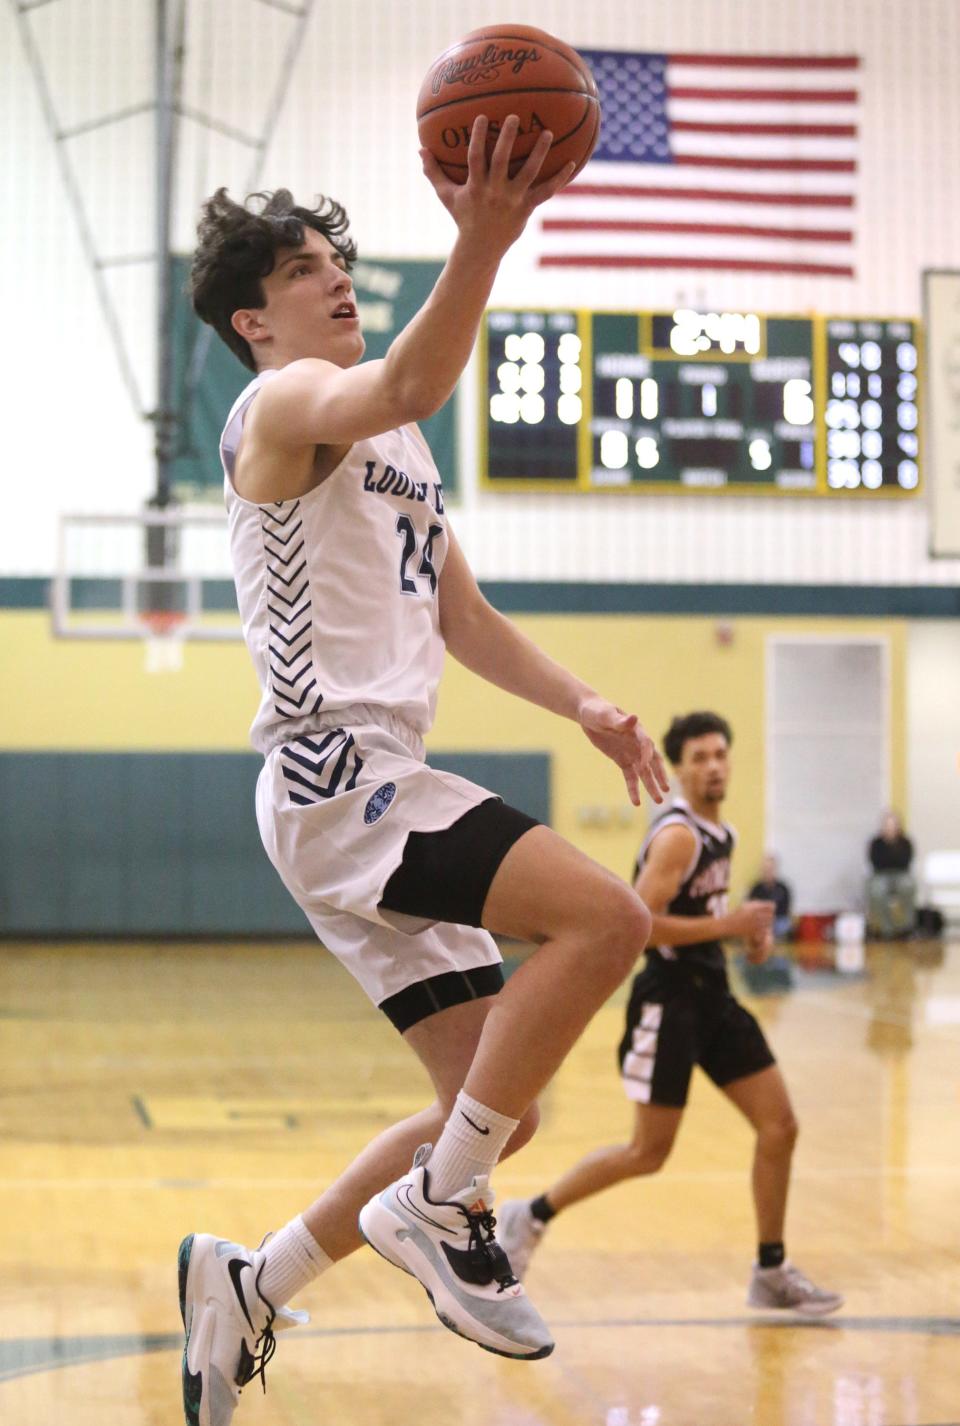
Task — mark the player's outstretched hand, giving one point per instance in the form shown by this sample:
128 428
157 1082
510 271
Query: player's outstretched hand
753 921
621 737
491 204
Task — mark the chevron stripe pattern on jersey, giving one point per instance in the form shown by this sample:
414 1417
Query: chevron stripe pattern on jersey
319 766
292 674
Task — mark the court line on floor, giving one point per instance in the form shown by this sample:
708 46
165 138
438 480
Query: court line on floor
891 1171
29 1356
146 1062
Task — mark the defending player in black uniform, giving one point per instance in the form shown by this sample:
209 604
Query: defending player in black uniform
681 1013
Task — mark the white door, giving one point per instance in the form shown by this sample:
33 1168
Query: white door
827 764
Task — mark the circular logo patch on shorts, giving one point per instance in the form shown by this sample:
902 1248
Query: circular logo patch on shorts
378 803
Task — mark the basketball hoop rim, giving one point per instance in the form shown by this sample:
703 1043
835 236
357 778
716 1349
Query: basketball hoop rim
163 623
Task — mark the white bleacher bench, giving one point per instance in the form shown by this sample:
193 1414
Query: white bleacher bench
941 883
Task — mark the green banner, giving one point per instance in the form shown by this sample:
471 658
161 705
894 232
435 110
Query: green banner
209 377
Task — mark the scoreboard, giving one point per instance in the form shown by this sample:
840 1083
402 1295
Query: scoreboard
705 401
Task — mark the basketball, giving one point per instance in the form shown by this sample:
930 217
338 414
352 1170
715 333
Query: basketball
502 70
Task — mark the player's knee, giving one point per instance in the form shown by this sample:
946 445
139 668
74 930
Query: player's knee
643 918
648 1157
624 932
780 1133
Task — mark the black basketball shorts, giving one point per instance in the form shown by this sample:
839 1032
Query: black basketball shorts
678 1019
445 876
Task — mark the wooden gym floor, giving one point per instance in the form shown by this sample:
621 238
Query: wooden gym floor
146 1090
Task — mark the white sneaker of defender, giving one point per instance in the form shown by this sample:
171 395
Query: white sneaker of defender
228 1326
786 1289
519 1233
451 1250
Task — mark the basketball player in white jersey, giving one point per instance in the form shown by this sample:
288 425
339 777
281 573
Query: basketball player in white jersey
351 586
681 1013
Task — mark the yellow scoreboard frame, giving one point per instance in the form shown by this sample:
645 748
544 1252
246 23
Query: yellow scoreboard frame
583 482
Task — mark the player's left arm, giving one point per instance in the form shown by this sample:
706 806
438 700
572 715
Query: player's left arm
480 638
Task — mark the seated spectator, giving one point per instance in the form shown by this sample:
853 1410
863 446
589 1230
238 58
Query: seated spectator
771 888
891 890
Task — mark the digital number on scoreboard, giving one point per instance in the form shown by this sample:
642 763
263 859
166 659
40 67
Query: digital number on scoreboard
534 406
700 401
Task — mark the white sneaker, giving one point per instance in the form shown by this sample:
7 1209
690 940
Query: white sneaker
519 1233
785 1288
228 1326
451 1250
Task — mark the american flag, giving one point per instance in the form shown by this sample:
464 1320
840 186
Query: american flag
715 162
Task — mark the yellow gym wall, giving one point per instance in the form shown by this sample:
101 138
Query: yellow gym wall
96 696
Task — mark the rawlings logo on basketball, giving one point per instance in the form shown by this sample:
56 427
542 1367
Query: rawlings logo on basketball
378 803
478 68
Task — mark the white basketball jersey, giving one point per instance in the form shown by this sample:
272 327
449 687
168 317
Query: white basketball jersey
337 589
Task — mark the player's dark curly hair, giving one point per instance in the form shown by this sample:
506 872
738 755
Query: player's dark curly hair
237 246
693 725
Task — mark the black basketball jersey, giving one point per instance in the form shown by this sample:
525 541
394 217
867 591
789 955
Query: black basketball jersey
705 886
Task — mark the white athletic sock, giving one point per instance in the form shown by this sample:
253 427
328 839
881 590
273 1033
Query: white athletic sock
472 1141
294 1258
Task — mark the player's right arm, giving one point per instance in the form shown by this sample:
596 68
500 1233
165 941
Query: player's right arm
314 402
664 869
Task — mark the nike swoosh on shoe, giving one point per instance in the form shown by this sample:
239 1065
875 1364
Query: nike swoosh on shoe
235 1267
403 1194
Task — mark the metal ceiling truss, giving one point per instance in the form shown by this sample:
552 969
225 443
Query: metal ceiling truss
167 104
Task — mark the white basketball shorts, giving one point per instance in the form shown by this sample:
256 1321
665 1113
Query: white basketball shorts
335 808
